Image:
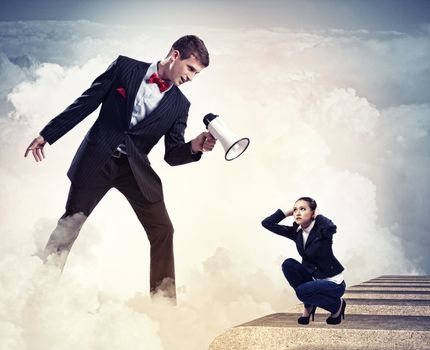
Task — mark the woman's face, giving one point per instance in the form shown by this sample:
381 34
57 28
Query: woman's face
303 215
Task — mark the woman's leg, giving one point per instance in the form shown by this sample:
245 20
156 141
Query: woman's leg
322 293
296 275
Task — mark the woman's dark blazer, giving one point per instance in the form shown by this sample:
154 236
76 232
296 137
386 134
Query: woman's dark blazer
317 255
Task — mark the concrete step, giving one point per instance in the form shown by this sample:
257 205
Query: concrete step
401 288
394 285
376 317
388 295
398 280
381 307
410 277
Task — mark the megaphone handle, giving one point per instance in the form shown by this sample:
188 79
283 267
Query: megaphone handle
203 142
209 142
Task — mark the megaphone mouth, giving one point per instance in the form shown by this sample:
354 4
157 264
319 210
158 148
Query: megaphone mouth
237 148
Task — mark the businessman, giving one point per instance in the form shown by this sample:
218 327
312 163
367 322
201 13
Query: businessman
140 103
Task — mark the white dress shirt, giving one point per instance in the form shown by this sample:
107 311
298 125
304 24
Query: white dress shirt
148 97
306 231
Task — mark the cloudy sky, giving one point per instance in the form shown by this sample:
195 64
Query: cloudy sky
401 15
334 96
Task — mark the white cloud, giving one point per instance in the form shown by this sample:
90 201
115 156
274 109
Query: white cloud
315 129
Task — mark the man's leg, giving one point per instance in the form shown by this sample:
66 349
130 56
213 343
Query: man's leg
159 229
80 203
62 238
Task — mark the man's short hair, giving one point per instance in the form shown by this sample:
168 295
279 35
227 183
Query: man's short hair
191 45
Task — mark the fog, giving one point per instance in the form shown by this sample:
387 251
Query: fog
341 116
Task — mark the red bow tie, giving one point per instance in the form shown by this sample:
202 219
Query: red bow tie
162 85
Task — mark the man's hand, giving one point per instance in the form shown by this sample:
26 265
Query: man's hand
36 147
203 143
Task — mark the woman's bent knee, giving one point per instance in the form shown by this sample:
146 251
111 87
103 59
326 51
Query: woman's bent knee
289 264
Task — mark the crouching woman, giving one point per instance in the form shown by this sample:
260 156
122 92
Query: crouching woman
318 280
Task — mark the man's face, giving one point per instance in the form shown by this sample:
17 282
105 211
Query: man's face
181 71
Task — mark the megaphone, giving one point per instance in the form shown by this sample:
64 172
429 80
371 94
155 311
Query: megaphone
233 145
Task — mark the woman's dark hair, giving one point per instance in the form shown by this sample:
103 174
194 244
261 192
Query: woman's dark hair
312 203
191 45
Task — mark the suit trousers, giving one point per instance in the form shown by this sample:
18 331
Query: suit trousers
321 293
81 201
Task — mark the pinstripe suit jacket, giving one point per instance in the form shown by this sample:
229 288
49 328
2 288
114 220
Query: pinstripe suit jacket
168 119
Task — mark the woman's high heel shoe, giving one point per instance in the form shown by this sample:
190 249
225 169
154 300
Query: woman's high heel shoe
304 319
337 320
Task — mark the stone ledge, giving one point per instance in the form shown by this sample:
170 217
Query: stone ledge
302 338
388 312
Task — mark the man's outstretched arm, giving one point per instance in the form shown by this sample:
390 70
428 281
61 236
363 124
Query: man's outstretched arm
73 114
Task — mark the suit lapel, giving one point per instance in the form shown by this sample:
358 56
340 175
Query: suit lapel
312 236
136 77
300 247
166 104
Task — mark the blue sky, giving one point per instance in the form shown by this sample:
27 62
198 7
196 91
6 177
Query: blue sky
398 15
